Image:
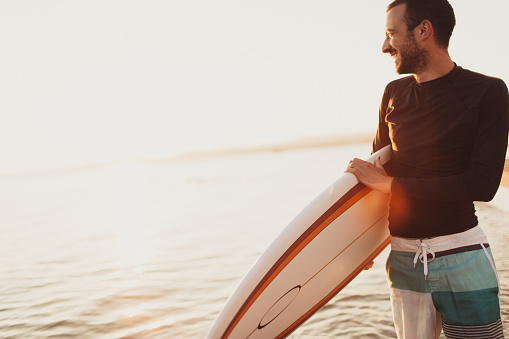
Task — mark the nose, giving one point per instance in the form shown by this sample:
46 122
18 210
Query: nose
386 47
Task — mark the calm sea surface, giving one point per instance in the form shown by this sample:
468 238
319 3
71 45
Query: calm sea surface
153 249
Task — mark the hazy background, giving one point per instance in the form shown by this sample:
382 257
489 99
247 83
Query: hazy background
92 81
143 249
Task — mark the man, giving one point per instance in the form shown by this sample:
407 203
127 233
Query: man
448 130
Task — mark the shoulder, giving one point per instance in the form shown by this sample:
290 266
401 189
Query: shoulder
489 93
470 78
399 84
478 89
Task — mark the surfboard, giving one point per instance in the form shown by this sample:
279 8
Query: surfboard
326 246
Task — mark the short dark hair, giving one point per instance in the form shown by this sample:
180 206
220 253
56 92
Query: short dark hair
438 12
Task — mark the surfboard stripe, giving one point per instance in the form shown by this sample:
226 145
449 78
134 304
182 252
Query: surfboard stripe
335 291
343 204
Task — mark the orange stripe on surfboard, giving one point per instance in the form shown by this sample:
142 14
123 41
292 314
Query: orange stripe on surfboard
342 205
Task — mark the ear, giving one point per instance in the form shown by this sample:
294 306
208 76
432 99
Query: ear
425 30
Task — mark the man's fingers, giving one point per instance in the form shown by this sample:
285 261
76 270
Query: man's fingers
369 265
350 169
357 166
373 176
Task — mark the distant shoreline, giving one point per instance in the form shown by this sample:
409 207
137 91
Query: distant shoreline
284 146
305 143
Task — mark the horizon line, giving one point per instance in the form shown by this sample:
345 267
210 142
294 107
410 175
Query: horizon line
301 143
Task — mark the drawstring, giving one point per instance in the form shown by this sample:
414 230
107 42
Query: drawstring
422 252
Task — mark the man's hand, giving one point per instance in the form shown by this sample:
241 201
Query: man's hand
373 176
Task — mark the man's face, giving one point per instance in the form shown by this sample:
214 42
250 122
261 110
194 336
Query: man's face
400 43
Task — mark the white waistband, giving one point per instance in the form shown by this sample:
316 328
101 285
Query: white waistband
473 236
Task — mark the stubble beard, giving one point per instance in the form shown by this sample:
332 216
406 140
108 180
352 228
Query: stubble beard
413 59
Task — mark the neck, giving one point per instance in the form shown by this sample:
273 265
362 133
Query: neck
438 65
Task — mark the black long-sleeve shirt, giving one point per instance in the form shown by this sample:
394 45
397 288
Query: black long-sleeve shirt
449 141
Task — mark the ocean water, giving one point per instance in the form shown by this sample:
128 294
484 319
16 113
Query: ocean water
153 249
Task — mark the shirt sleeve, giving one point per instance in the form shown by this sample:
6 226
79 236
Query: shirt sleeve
482 179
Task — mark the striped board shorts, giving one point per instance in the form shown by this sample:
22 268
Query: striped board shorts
448 282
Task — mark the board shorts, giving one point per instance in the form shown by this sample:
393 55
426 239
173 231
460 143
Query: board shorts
448 282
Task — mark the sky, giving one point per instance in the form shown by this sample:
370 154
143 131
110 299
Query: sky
95 81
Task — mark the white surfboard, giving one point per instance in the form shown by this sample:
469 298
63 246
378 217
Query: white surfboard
327 245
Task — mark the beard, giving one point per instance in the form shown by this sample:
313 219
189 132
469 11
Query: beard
412 58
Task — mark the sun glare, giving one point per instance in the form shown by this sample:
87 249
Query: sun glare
135 311
126 209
